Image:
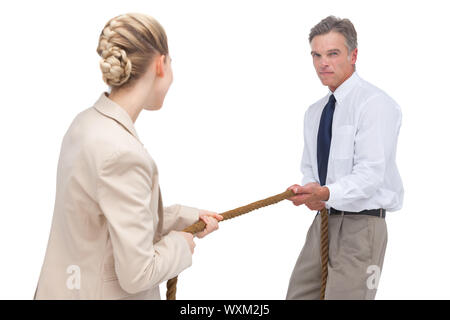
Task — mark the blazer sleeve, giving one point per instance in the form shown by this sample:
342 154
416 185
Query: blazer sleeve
124 192
178 217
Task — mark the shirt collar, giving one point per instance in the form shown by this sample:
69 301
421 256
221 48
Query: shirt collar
345 87
109 108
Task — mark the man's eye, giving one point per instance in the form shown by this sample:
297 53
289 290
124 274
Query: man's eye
333 53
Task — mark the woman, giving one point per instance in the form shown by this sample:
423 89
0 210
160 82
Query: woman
111 237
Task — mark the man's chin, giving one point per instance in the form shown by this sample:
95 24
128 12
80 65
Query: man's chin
325 82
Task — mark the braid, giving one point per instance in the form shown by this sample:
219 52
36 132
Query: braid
114 63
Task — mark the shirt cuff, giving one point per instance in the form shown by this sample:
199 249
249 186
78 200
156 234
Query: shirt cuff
336 194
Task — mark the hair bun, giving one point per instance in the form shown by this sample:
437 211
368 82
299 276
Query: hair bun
127 44
115 66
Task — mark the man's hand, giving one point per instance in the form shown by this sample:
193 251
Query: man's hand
315 206
311 194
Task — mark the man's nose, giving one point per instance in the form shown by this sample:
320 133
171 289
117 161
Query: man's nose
323 63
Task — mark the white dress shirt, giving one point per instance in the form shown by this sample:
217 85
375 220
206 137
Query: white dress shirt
362 172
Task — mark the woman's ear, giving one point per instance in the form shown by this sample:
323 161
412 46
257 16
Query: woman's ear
160 66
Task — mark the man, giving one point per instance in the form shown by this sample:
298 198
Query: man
348 166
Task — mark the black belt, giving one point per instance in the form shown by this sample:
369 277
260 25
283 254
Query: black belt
374 212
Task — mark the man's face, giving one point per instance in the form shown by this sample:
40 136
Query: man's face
331 59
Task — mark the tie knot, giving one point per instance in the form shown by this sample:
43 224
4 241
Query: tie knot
332 99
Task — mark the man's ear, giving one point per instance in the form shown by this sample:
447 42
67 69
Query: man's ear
354 56
160 66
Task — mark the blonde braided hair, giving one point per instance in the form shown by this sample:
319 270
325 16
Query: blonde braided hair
127 45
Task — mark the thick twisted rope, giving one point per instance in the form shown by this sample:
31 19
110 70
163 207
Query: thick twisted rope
324 250
200 225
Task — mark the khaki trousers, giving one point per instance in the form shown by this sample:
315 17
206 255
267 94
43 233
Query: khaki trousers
357 244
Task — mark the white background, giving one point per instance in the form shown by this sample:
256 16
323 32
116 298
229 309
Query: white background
230 131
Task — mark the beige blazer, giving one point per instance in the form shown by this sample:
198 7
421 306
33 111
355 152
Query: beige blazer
111 237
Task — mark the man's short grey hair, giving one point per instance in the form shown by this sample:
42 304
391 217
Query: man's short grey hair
343 26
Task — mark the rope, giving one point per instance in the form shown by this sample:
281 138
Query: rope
324 250
200 225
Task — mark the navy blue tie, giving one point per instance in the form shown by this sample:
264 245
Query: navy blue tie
324 139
